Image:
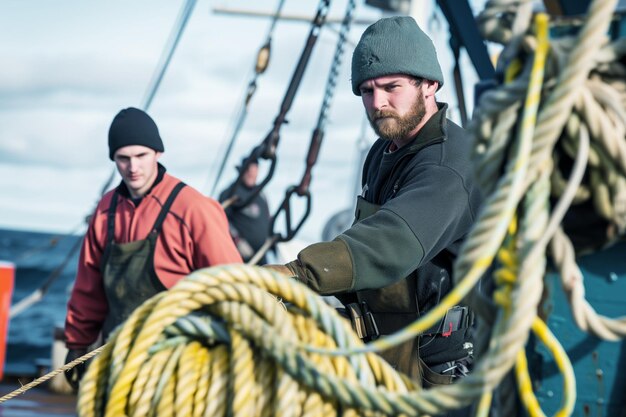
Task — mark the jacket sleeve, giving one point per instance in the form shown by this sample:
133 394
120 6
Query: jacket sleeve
211 236
87 307
407 231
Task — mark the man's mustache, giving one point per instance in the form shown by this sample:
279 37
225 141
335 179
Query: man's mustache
380 114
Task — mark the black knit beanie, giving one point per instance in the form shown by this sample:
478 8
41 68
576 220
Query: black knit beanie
394 45
132 126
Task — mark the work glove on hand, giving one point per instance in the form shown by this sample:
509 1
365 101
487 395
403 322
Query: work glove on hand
75 374
324 267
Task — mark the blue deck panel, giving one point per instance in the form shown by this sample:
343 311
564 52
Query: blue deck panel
599 366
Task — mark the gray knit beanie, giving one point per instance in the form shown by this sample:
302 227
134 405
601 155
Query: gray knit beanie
394 45
132 126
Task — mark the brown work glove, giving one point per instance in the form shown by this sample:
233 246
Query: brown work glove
324 267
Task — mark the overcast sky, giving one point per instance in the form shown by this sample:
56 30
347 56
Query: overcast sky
70 65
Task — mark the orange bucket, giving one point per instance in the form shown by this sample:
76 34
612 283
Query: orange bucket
7 277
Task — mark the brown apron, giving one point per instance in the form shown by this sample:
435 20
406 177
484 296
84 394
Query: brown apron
128 268
392 308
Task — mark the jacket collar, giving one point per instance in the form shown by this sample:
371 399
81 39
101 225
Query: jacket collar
122 189
434 130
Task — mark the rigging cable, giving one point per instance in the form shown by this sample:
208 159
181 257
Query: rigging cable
55 239
302 189
167 57
262 62
267 148
38 294
434 25
458 80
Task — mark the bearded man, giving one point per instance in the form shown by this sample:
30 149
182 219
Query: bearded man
418 204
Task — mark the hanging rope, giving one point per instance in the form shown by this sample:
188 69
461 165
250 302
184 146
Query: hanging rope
302 189
458 81
37 295
51 375
159 73
267 148
262 61
497 114
592 99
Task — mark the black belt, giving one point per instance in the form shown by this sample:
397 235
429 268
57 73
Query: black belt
364 321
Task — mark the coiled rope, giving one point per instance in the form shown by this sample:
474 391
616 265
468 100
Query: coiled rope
238 356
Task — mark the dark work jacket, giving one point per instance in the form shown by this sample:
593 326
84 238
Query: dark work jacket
428 202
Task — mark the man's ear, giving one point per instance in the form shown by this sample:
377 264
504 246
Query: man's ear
430 87
158 155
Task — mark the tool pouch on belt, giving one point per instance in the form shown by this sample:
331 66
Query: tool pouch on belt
405 358
431 378
385 311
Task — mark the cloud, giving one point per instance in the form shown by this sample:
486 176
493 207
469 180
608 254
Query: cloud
69 66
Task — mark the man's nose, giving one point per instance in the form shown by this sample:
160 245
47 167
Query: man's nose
379 99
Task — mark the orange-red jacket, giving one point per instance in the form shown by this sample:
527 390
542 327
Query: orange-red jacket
194 235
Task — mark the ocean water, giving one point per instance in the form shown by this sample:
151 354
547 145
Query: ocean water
37 257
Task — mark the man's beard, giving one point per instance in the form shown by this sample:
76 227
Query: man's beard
393 127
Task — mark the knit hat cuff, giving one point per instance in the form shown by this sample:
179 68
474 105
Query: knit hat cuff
132 126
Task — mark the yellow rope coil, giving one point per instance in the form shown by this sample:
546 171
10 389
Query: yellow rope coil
244 363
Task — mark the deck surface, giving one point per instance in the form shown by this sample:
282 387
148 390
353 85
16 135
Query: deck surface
37 401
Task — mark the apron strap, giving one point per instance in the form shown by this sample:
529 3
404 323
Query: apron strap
157 224
111 219
166 208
